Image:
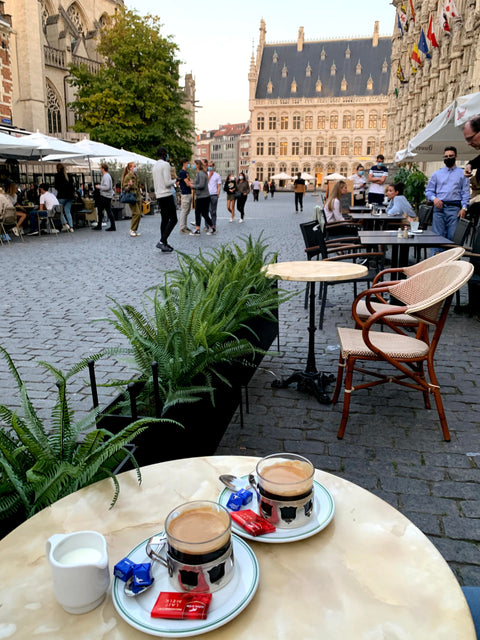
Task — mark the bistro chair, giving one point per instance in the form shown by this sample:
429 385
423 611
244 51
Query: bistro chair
427 296
52 215
316 246
8 220
461 231
364 309
473 305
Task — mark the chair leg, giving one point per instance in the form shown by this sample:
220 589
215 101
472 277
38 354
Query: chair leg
324 302
438 400
307 290
346 397
338 386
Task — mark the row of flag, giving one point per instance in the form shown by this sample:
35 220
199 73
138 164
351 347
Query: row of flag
448 12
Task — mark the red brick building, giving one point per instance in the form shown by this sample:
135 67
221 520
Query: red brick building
6 87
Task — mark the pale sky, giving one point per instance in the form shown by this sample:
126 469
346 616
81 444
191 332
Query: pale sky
216 40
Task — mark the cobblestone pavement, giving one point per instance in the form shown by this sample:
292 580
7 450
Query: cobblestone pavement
392 446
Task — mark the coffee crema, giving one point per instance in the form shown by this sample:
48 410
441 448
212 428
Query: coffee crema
200 530
286 477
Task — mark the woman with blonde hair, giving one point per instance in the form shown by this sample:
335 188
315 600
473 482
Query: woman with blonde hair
12 195
131 183
65 194
333 203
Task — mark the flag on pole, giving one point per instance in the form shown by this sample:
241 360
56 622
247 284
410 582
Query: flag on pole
416 55
451 9
422 44
443 19
400 74
412 10
403 16
399 24
431 33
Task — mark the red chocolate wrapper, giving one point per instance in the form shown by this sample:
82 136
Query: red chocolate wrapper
181 606
253 524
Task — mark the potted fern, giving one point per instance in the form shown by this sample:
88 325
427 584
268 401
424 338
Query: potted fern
205 329
39 463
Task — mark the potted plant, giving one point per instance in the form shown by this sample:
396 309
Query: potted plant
414 181
41 463
202 330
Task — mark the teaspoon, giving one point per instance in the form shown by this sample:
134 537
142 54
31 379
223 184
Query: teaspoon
233 483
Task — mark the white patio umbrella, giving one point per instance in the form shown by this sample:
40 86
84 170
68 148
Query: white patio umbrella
281 176
335 176
307 176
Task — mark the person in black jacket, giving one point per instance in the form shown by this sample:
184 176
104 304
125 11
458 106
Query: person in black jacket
471 133
65 194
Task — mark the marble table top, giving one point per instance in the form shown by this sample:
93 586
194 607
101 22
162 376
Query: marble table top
370 574
316 270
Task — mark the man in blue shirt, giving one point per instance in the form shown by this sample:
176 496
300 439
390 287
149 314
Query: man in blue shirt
449 190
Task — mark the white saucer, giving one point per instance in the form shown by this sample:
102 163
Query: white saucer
226 603
415 232
323 512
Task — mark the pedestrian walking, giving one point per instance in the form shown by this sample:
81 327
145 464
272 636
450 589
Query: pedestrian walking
65 194
230 189
256 189
273 188
163 183
130 183
185 184
214 187
299 190
202 200
266 189
243 190
104 200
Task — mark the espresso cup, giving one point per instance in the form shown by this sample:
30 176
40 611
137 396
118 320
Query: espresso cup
199 552
285 490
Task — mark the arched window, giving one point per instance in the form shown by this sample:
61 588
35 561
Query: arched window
357 147
283 147
259 147
382 147
332 147
260 172
54 118
371 146
271 147
319 174
260 122
284 122
77 18
373 120
344 169
319 147
359 120
321 121
331 168
345 147
347 120
296 122
309 121
270 171
294 170
307 147
384 120
306 168
296 148
272 122
46 11
334 120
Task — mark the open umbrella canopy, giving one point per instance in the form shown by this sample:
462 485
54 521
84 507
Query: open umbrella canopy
307 176
335 176
33 147
281 176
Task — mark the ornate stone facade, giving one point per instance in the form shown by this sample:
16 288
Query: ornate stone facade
6 87
318 107
452 70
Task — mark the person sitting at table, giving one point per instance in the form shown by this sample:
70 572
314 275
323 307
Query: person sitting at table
397 202
332 205
47 202
12 195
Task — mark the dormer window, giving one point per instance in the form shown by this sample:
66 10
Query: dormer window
323 54
293 87
269 86
275 56
385 66
333 69
347 53
318 86
370 83
284 71
358 69
308 70
343 85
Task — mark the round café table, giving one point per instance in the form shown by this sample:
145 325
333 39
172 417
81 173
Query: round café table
310 380
370 574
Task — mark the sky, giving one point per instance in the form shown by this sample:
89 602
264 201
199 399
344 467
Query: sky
216 41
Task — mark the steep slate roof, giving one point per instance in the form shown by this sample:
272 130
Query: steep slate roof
371 58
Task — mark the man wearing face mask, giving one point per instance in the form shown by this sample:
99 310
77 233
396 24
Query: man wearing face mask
359 184
449 190
185 184
376 177
163 183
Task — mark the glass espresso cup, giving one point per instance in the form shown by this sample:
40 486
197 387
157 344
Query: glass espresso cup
285 490
199 552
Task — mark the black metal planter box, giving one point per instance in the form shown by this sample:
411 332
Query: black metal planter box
204 423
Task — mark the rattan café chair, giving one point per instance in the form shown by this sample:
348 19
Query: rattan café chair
427 296
366 307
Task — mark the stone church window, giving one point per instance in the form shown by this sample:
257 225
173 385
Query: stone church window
260 123
331 168
45 13
53 112
384 121
75 17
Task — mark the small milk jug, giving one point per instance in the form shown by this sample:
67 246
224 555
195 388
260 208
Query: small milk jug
79 564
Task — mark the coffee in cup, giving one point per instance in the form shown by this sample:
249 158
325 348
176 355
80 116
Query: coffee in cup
285 489
199 554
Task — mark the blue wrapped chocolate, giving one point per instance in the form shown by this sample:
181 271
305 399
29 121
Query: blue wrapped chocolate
124 569
235 502
141 577
245 495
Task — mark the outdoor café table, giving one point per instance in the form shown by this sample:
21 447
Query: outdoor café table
311 380
378 221
369 574
401 246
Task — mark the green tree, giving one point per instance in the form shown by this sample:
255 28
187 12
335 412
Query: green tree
134 101
414 181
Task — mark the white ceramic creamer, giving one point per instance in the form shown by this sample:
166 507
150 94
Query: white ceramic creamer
79 564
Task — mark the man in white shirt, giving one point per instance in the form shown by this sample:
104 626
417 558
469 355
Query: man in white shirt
214 186
163 183
376 177
47 202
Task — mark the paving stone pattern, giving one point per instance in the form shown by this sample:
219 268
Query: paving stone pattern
54 287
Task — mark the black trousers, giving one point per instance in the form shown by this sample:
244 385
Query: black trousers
202 207
168 213
105 204
298 201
